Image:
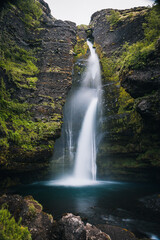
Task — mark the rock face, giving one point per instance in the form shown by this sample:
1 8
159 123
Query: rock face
72 227
111 38
36 74
131 94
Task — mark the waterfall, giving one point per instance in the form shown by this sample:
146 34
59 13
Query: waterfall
81 124
85 162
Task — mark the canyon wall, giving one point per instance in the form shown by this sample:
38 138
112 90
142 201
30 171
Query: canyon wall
36 64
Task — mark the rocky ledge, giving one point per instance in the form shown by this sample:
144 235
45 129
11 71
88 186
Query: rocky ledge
42 226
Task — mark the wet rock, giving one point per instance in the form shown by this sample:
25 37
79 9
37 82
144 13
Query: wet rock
72 227
141 82
152 202
117 233
93 233
149 107
39 223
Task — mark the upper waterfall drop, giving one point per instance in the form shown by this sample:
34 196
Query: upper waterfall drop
92 76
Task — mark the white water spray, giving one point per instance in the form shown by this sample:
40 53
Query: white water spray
85 162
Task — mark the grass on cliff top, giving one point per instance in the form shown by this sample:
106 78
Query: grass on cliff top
132 56
31 11
118 16
10 229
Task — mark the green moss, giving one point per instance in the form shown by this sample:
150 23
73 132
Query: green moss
4 142
31 10
82 27
126 102
152 155
18 63
151 28
109 64
10 230
31 82
55 69
18 127
113 18
80 48
125 122
137 55
31 210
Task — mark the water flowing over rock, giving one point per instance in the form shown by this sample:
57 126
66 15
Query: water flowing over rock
81 136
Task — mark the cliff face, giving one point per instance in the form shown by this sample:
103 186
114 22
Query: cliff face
129 55
35 75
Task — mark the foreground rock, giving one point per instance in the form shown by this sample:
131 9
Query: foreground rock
69 227
72 227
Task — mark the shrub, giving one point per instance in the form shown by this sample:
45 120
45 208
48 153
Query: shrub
152 27
113 18
10 230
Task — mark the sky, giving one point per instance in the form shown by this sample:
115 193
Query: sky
80 11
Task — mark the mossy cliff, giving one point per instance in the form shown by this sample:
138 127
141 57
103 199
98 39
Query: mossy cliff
127 42
36 60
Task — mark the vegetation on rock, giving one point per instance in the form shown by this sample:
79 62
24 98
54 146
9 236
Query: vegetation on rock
33 83
80 48
137 55
126 143
10 229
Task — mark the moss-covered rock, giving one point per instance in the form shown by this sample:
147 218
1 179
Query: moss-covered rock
36 63
9 229
130 69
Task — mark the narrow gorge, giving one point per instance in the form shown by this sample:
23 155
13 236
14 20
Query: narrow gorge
79 124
